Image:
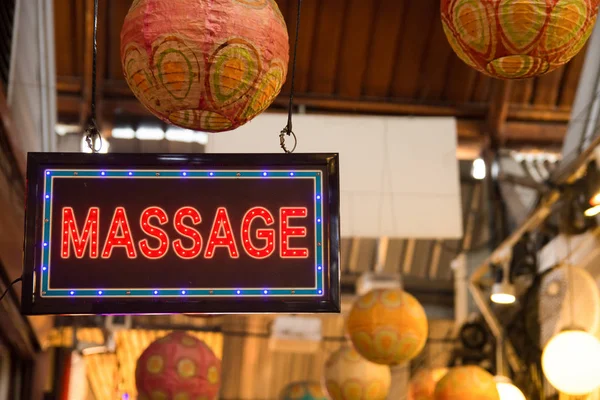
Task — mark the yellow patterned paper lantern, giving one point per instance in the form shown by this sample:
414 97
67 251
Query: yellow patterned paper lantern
303 391
512 39
467 383
348 376
422 385
388 326
205 65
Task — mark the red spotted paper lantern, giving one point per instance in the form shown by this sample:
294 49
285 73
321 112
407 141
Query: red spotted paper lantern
348 376
467 383
422 385
178 367
388 326
512 39
208 65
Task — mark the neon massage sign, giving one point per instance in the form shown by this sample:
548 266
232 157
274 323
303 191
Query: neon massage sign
181 233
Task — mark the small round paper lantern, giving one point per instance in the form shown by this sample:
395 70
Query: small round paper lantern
178 367
348 376
422 385
570 362
467 383
205 65
511 39
388 326
303 391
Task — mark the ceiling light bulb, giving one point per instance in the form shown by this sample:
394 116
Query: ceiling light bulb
571 362
149 133
507 390
503 293
592 211
123 133
595 200
478 170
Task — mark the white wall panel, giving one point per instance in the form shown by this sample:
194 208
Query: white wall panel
399 176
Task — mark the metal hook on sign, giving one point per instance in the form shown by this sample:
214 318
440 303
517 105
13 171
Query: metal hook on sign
284 132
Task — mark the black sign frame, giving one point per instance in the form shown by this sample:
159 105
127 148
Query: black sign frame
35 301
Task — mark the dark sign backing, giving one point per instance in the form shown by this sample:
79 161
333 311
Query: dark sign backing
209 233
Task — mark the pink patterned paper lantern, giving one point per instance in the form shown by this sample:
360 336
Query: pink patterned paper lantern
178 367
514 39
208 65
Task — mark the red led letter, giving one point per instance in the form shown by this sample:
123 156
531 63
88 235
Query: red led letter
221 223
185 230
155 232
114 238
267 234
71 233
287 231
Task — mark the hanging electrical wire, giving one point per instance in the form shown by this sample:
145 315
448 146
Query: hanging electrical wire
288 130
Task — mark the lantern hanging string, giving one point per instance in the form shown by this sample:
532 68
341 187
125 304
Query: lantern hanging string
92 132
288 128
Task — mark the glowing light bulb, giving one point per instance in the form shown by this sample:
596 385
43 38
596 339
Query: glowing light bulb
478 170
507 390
570 362
592 211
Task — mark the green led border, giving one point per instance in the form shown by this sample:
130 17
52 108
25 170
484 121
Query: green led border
182 292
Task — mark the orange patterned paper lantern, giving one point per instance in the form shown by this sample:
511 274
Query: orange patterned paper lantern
348 376
388 326
178 367
467 383
422 385
303 391
205 65
513 39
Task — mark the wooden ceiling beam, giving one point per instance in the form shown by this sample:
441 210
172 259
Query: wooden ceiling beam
469 129
517 132
119 89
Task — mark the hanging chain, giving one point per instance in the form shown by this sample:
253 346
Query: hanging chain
570 286
91 127
288 128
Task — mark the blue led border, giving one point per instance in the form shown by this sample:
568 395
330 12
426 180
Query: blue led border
182 292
